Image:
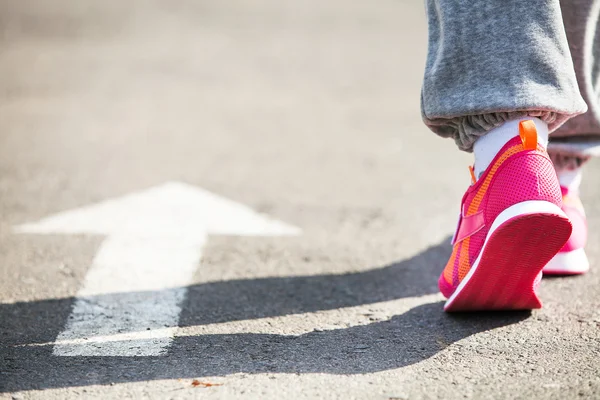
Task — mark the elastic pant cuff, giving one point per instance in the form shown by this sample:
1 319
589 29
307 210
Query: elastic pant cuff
466 129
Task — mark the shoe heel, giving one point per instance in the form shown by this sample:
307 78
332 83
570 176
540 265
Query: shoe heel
522 240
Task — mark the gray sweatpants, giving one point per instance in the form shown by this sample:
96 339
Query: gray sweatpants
492 61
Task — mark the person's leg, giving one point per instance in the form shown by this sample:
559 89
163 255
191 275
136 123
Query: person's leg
574 143
493 61
579 138
499 77
581 134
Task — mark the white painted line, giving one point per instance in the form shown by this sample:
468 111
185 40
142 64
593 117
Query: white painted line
138 278
154 272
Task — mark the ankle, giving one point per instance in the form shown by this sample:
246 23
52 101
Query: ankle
568 168
570 179
487 146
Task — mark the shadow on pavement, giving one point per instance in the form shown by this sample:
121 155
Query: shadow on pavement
405 339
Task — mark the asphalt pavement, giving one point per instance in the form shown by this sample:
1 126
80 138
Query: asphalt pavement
206 199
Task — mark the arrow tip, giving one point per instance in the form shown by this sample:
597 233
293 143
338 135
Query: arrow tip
173 208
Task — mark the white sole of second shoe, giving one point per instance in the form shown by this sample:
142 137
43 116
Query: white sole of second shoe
568 263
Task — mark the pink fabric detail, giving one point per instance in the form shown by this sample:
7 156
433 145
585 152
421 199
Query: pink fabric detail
476 243
455 281
469 225
445 287
578 237
524 176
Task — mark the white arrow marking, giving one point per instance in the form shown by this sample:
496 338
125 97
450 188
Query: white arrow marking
154 244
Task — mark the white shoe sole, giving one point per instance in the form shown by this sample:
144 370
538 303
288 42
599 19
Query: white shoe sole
568 263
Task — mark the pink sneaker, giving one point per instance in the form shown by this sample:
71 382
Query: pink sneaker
571 259
511 225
